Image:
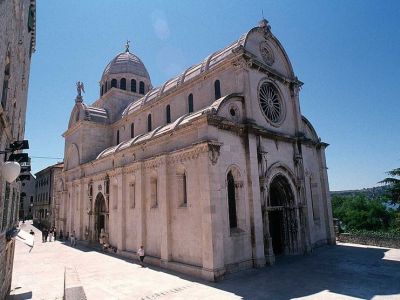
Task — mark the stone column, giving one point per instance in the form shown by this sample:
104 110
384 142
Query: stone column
254 196
163 188
304 224
82 209
212 227
70 212
326 197
263 167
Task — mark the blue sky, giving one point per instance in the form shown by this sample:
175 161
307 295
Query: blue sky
347 53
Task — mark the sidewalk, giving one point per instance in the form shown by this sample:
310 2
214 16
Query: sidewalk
340 272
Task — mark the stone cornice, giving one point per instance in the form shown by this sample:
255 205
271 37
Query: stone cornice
86 124
250 60
178 156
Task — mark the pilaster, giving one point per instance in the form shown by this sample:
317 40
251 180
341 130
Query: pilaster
256 221
141 205
212 231
164 210
121 227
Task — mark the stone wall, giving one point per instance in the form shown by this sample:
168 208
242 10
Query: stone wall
17 41
367 240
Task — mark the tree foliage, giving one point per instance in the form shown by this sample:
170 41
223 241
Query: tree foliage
360 213
394 185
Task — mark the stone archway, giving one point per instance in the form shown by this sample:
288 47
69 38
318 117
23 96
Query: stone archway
100 215
282 220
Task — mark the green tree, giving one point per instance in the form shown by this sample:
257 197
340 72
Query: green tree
394 186
360 213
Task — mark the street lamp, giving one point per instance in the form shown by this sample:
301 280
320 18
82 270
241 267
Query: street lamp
10 171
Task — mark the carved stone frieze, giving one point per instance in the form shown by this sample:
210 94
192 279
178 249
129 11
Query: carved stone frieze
214 152
153 163
266 53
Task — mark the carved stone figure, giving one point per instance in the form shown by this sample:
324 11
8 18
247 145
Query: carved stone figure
80 88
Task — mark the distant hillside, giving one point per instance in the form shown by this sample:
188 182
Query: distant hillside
369 192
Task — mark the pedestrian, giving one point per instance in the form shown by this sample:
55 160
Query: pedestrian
51 235
55 233
31 232
67 236
73 239
61 236
44 235
140 253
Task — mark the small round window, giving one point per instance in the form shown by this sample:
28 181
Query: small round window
271 103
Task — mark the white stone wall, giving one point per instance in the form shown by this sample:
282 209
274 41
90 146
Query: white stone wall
197 237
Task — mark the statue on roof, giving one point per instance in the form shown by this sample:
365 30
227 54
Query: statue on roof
80 88
127 46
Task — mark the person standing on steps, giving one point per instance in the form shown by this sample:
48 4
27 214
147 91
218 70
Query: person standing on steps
140 253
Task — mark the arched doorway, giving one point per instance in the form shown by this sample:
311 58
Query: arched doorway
100 215
282 216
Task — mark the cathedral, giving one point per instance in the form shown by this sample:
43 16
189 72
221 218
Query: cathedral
214 171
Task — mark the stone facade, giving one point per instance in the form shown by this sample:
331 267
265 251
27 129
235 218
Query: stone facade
17 43
44 204
28 193
214 171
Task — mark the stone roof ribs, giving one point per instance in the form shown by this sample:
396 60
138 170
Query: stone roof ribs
210 62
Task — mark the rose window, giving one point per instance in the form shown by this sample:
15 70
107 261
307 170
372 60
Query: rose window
271 103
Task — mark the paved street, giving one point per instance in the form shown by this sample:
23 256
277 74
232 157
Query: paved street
341 272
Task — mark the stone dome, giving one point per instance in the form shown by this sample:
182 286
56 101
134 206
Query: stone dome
125 62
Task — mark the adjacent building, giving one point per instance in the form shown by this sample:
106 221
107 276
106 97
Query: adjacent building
27 196
17 43
213 171
43 205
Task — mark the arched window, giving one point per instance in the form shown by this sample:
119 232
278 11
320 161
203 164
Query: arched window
190 103
231 201
117 137
122 84
114 83
168 113
132 130
149 123
217 89
141 88
133 85
102 90
4 94
105 87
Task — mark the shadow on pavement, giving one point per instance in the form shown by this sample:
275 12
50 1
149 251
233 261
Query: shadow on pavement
22 296
341 269
344 270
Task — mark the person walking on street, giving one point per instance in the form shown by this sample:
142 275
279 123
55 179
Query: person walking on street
44 235
140 253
